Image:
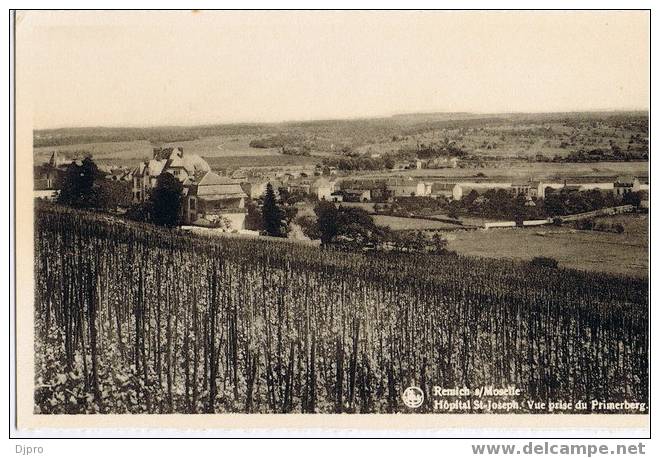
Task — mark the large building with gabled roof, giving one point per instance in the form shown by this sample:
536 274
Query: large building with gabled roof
210 197
169 160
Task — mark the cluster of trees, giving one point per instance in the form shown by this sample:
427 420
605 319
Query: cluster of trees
497 204
615 153
304 150
446 148
289 198
353 228
165 201
632 198
277 141
292 145
83 185
636 150
78 188
358 162
271 215
348 224
592 225
494 204
562 202
544 261
163 205
275 217
413 206
501 204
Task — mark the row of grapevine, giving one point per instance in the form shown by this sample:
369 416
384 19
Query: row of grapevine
133 318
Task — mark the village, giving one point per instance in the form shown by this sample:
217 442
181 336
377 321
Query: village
209 195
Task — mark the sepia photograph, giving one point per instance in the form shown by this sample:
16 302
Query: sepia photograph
415 214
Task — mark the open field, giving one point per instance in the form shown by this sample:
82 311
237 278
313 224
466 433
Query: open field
219 153
625 254
221 146
524 170
397 223
272 160
121 152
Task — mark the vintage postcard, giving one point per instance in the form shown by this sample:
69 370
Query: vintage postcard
405 220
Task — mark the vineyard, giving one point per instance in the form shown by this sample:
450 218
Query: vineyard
130 318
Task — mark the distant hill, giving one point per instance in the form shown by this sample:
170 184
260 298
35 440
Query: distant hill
440 116
479 136
337 127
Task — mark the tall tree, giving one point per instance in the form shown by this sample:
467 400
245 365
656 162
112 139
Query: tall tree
351 227
327 218
253 220
78 184
273 217
632 198
166 200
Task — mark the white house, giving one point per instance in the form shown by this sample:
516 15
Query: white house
322 188
409 188
625 184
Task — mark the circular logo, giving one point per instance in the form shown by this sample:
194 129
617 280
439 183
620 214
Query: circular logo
413 397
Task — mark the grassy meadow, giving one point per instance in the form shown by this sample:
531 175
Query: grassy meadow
620 254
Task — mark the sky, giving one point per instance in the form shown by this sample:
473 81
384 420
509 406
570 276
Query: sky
186 68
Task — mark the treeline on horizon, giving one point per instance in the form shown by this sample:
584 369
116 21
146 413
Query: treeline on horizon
356 131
